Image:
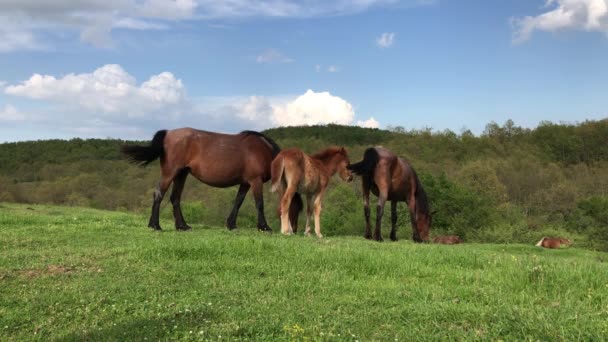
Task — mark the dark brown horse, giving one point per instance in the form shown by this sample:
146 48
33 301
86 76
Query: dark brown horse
218 160
552 242
392 178
293 170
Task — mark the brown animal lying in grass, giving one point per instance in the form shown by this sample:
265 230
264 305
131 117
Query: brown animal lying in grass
447 239
550 242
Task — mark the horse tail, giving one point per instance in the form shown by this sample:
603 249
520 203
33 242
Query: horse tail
367 166
144 155
276 172
540 243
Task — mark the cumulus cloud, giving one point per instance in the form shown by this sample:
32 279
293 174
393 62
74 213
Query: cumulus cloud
111 102
585 15
311 108
386 39
22 22
273 56
369 123
109 89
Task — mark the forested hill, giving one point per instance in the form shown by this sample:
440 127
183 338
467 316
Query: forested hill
519 182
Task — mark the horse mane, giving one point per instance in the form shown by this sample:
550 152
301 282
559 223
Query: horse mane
275 147
328 153
367 165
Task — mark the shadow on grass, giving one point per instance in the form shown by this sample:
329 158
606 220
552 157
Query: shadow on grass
181 325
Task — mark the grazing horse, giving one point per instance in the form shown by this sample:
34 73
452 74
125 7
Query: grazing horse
392 178
216 159
550 242
447 239
293 170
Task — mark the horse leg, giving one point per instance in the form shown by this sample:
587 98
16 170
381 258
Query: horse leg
258 195
379 212
238 201
317 203
309 211
159 193
284 205
366 211
176 195
394 220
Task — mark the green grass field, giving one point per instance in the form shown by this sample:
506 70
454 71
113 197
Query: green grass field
83 274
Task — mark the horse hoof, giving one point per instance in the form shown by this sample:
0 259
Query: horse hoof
320 236
265 230
155 227
379 239
367 236
393 238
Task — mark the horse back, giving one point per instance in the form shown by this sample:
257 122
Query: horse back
218 159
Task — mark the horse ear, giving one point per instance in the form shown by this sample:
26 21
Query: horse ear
342 149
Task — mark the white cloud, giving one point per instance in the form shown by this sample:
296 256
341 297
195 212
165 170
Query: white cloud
111 102
386 39
314 108
585 15
109 90
273 56
333 68
23 22
369 123
10 113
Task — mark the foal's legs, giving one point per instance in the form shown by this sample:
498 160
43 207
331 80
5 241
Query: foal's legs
318 204
284 205
309 210
394 220
176 195
238 201
258 195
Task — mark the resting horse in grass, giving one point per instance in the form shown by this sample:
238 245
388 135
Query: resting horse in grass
216 159
293 170
392 178
551 242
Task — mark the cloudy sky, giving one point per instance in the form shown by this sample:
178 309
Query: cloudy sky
126 68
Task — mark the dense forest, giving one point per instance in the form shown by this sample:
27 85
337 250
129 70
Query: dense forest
509 184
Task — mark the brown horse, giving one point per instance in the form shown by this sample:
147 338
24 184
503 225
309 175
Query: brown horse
447 239
551 242
216 159
392 178
292 170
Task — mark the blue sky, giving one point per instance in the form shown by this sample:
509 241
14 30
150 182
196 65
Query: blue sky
126 68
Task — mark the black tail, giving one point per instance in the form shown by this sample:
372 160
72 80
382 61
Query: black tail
144 155
367 166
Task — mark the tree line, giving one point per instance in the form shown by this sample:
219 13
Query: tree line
509 184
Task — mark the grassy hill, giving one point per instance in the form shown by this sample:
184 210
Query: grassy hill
85 274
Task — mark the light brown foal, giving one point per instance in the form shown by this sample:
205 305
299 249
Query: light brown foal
294 171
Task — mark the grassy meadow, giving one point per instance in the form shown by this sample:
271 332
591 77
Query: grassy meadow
69 273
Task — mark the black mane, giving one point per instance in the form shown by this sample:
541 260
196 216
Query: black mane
275 147
422 202
367 166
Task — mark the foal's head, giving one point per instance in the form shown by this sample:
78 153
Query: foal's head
345 173
337 157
